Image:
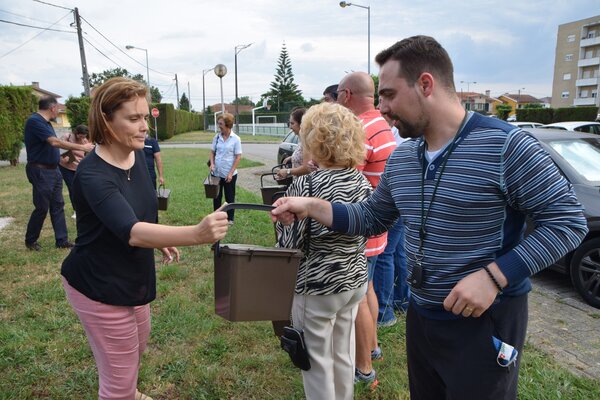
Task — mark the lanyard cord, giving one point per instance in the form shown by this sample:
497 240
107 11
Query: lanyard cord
425 214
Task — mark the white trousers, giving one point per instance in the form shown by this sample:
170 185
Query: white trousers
328 324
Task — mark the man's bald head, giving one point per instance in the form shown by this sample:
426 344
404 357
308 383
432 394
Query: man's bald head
356 91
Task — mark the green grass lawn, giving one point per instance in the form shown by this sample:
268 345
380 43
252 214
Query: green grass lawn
207 136
192 353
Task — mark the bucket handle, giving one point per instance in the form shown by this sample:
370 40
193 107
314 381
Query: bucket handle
242 206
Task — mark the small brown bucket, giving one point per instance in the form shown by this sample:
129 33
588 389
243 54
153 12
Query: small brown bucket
211 186
271 193
254 283
163 197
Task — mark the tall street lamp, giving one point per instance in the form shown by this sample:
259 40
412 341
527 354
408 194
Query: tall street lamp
468 83
204 72
221 71
238 48
344 4
129 47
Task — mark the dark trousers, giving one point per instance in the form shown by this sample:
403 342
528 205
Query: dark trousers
68 177
229 189
456 359
47 196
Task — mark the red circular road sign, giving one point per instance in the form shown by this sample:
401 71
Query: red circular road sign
155 112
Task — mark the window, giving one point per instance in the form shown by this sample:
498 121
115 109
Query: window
583 94
567 77
570 38
569 57
565 94
591 34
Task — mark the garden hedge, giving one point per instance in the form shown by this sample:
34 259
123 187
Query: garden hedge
16 105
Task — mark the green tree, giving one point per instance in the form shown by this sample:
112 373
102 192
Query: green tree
243 101
284 93
77 110
98 79
502 110
376 94
184 103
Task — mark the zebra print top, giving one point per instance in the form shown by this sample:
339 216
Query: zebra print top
336 262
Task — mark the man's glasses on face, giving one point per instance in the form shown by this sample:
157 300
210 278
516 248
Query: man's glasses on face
340 91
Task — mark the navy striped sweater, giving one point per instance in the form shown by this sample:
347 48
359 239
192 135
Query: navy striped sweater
495 176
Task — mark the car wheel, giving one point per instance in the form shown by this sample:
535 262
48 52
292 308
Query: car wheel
585 271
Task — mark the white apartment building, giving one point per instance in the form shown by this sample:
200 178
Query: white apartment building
577 64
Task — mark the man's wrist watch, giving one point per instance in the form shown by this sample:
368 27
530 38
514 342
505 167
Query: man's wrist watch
289 171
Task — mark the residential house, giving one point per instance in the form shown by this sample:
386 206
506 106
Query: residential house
518 100
577 64
482 103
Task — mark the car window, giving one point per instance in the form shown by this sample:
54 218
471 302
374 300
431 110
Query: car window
584 128
582 155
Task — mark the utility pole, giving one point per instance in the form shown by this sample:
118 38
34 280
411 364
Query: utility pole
86 77
189 98
177 90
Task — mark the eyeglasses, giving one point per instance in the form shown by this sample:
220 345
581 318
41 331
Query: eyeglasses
342 91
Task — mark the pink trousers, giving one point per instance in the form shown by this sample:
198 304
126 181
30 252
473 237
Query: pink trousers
118 337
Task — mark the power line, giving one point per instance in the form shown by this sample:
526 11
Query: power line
121 50
99 51
36 27
53 5
23 44
25 16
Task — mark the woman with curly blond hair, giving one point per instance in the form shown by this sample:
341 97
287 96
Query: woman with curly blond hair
332 278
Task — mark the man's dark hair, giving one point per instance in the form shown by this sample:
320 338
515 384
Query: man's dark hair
332 90
418 54
46 102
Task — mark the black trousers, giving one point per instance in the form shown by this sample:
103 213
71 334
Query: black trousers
47 196
229 189
456 359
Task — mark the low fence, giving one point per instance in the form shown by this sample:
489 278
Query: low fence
278 129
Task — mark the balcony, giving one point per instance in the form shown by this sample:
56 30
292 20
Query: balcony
590 42
586 101
586 82
586 62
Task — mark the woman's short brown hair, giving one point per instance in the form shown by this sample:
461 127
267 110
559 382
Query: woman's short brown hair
108 98
227 118
333 136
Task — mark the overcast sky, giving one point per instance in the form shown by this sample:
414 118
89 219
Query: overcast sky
502 46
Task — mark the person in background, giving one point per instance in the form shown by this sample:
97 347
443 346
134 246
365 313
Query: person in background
153 160
356 91
332 277
330 93
390 276
70 159
464 186
225 155
43 157
298 161
109 277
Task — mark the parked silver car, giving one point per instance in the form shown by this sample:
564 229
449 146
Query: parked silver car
578 126
577 156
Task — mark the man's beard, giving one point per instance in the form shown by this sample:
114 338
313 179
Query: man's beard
406 129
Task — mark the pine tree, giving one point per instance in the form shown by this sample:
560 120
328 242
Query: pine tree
284 93
184 103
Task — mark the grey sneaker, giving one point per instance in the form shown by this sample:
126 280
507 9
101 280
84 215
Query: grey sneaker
377 354
35 246
367 379
387 323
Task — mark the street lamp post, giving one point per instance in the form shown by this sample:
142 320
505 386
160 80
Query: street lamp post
204 72
221 71
468 83
344 4
238 48
129 47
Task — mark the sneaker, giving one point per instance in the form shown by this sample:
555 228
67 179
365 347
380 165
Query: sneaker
230 222
369 379
65 245
377 354
389 322
35 246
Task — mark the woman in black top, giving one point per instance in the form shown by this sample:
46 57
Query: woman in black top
109 276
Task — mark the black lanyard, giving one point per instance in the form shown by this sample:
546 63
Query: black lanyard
416 277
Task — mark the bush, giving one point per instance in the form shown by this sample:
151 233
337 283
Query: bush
16 104
541 115
502 111
575 114
78 109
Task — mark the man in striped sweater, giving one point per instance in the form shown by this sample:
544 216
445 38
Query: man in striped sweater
464 187
356 91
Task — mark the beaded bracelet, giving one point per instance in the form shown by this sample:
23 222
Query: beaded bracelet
493 279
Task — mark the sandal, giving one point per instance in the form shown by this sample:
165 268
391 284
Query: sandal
141 396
